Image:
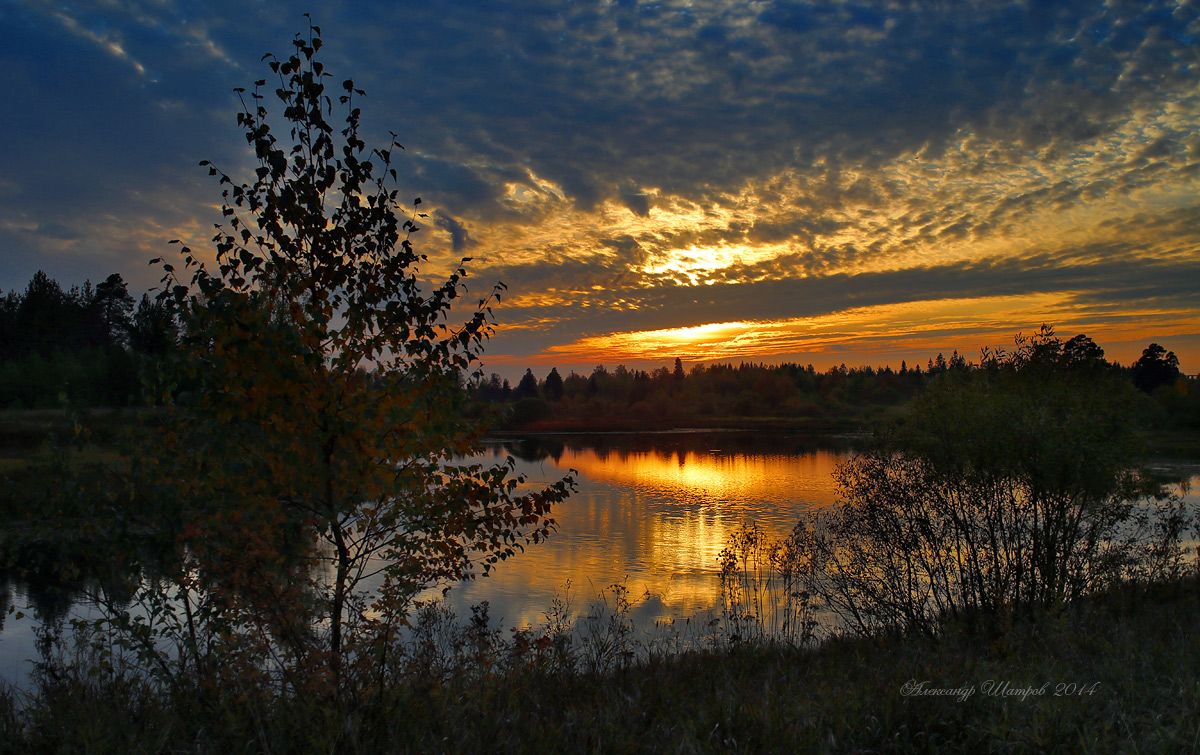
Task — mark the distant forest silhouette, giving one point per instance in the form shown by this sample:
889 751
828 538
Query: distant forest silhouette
84 346
88 346
839 398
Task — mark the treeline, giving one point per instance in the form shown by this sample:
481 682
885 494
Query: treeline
797 394
95 346
83 346
665 396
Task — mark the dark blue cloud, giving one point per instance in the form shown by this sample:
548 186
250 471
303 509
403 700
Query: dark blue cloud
460 237
843 133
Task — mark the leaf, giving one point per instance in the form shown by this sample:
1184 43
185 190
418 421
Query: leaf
315 277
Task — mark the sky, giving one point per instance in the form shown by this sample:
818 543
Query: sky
815 182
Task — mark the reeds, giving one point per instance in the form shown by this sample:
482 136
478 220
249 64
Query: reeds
1133 649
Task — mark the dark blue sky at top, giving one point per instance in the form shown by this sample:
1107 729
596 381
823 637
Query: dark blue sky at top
879 151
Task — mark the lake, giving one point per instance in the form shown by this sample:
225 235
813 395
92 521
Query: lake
652 511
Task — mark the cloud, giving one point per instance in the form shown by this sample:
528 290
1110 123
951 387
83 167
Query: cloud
1106 275
627 166
460 238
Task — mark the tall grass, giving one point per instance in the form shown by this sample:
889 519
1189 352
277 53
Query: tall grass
765 586
1133 649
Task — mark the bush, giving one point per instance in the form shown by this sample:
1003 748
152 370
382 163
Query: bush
763 593
1008 490
529 410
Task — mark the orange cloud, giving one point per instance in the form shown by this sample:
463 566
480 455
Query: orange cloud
925 326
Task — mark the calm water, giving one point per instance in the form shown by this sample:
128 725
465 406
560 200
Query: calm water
652 511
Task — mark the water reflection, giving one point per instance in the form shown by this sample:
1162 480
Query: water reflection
654 511
45 581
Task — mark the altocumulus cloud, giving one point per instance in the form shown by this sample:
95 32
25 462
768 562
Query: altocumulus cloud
644 166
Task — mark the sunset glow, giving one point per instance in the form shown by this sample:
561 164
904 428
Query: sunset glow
920 327
655 522
709 180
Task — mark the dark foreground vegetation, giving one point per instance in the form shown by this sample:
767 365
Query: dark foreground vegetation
997 578
1000 574
1115 673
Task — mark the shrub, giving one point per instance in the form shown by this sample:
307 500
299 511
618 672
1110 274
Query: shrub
764 591
1009 489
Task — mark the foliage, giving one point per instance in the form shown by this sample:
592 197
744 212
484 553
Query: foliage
69 346
114 307
316 460
153 329
527 388
1114 674
1008 490
1155 368
717 394
795 397
553 385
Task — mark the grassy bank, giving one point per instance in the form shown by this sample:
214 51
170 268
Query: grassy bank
1119 673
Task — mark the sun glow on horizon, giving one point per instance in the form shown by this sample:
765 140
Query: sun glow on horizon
964 324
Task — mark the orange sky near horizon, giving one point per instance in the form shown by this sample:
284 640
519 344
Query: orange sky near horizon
882 335
817 182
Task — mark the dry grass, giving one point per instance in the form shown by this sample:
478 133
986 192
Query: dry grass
1134 655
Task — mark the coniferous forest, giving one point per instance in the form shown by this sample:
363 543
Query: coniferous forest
86 345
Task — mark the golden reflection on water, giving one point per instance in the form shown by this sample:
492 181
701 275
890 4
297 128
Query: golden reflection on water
655 520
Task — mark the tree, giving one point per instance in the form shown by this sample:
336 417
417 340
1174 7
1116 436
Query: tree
323 444
527 388
554 385
1010 489
58 344
1156 367
43 316
114 307
491 390
153 330
1082 351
